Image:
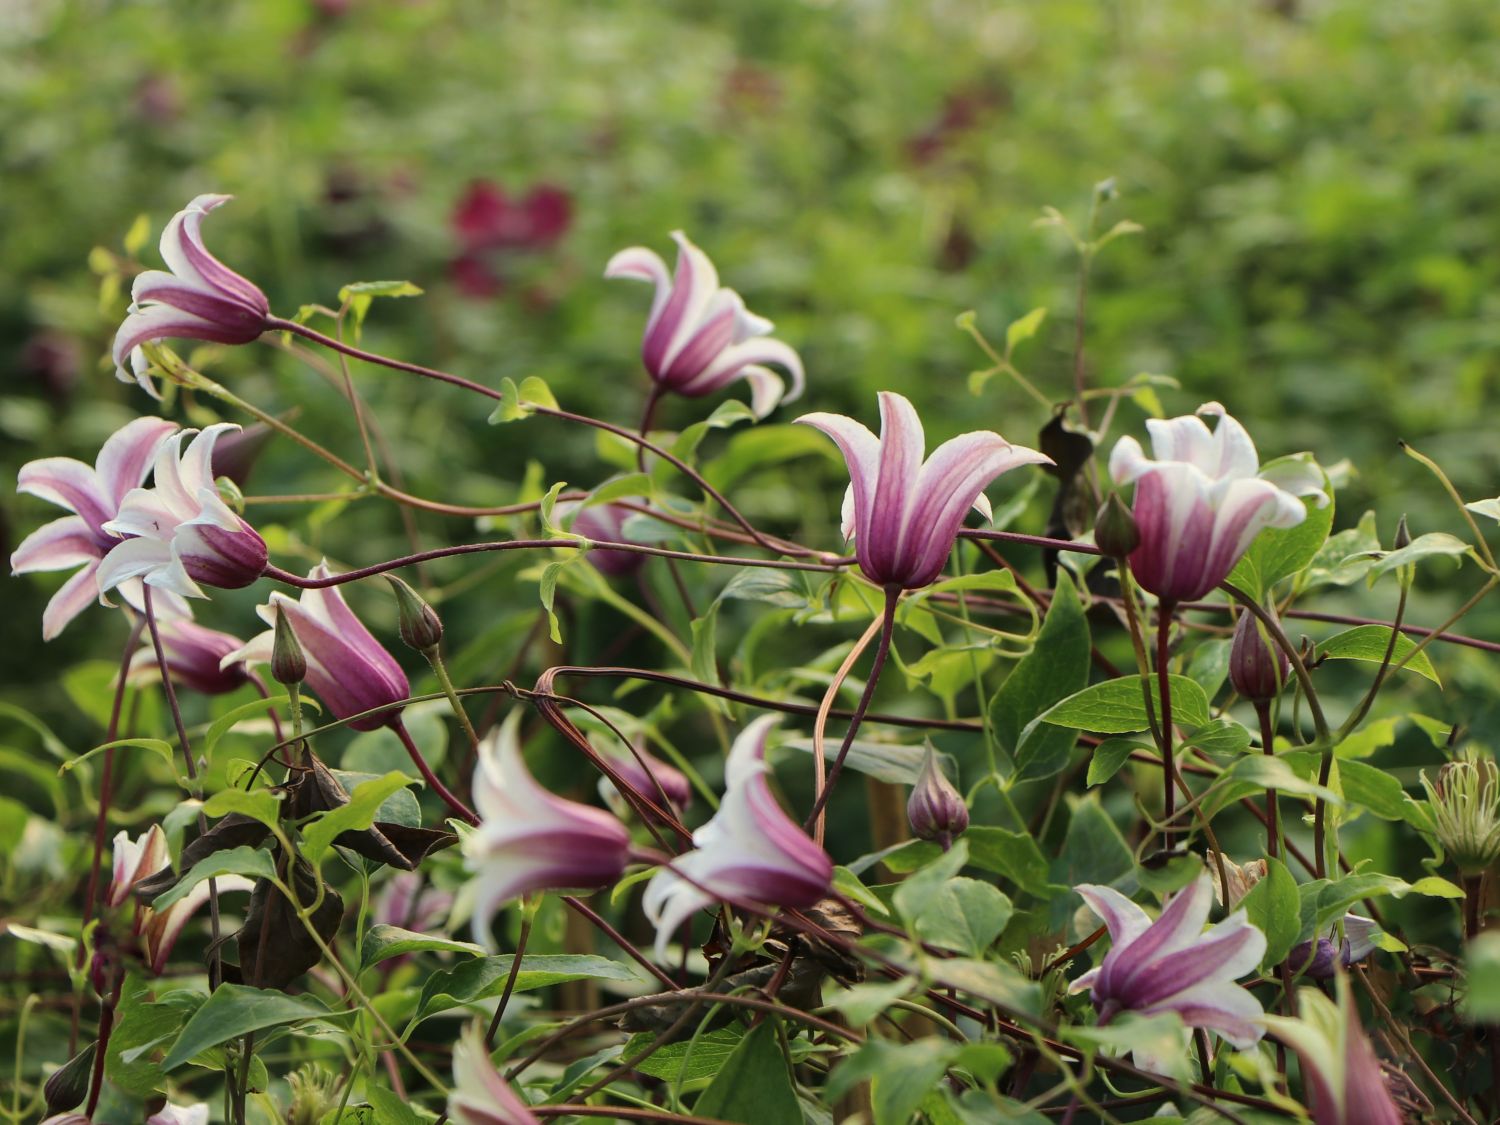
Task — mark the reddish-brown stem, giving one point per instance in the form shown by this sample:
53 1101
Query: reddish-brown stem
1268 747
463 810
1169 737
510 978
583 910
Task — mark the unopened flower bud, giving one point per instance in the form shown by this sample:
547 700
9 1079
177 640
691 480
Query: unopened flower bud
1314 959
1465 804
69 1083
936 810
420 626
288 664
1403 534
1115 531
1257 666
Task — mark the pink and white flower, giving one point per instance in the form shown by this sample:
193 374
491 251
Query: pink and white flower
200 299
480 1095
1174 965
195 658
750 850
648 777
1203 498
94 495
903 513
530 839
179 532
1341 1074
160 929
347 668
699 336
135 860
196 1114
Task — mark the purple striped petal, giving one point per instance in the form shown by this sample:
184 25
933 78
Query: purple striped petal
126 457
733 359
74 596
884 529
1176 519
1124 919
861 450
59 545
693 286
183 250
69 484
1179 925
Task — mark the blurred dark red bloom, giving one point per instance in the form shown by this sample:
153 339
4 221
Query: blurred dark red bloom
489 224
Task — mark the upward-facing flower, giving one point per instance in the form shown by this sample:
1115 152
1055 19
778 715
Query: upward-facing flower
700 337
200 299
195 658
1340 1073
94 496
1174 965
346 667
480 1095
903 513
530 839
1203 499
179 532
750 849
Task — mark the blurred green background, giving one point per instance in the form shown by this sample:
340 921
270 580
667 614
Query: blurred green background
1318 183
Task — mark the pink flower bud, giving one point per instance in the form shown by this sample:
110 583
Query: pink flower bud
1257 666
936 810
604 522
648 777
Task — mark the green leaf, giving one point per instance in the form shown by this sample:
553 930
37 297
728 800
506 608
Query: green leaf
1160 1034
258 804
1094 850
233 1010
1490 508
1432 545
1219 736
145 1024
994 981
1022 329
250 862
688 1060
1278 553
138 234
1110 755
379 289
1376 790
1274 906
357 815
900 1075
1369 642
390 1108
964 915
749 451
753 1085
547 590
230 719
1263 772
1481 1001
921 891
162 749
517 403
1346 557
861 1003
1014 855
382 942
1118 706
1055 669
484 977
884 761
848 884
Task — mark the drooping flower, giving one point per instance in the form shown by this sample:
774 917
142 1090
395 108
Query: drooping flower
94 495
1202 500
346 667
200 299
1257 666
179 532
605 522
1340 1072
530 839
1465 806
480 1095
408 902
169 1114
1174 965
135 860
699 336
160 929
194 658
935 809
647 776
903 513
750 850
1320 959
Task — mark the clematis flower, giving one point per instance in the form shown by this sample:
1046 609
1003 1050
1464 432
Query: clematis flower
1174 965
480 1095
1321 959
135 860
903 513
169 1114
750 849
1464 803
179 532
529 839
1203 499
604 522
1257 666
346 667
200 299
160 929
1340 1072
194 658
406 902
647 776
700 337
94 496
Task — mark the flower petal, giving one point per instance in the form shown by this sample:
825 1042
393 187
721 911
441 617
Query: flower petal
69 484
126 456
59 545
74 596
861 450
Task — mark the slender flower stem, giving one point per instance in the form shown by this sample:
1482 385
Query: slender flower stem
887 626
1278 634
440 670
527 914
1169 736
279 575
648 413
582 909
821 724
463 810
